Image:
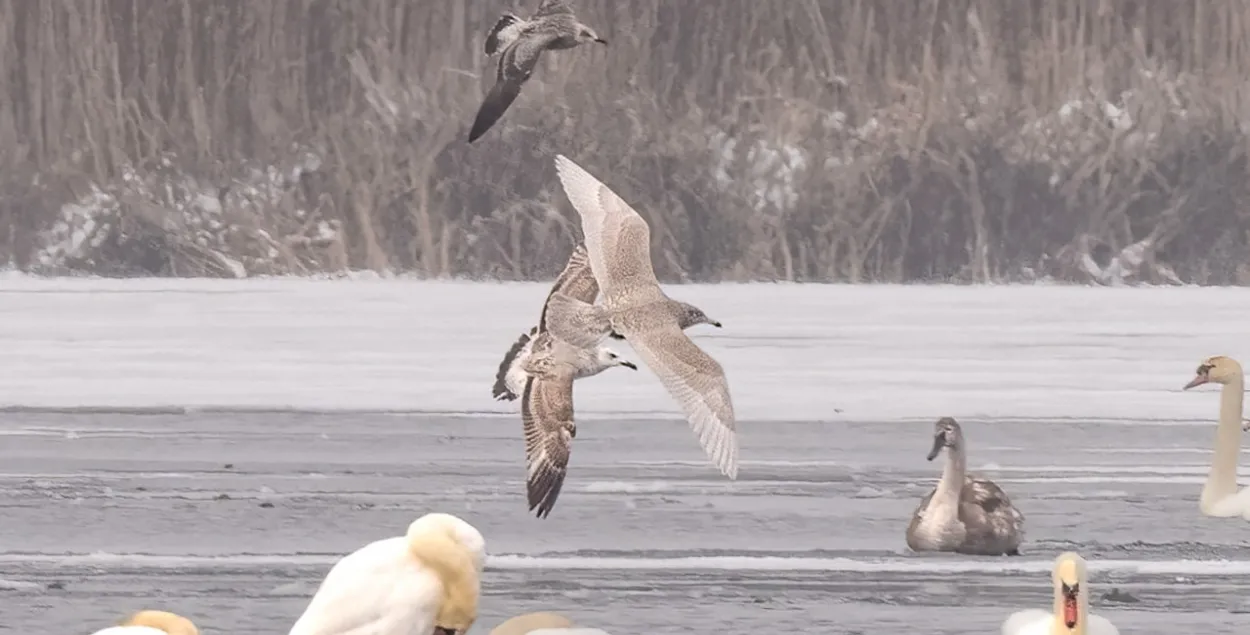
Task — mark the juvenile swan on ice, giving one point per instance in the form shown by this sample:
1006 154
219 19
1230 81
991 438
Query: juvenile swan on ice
1071 614
575 281
152 623
1219 496
618 242
425 582
964 513
542 624
520 43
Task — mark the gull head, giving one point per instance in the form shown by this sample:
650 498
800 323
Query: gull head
946 434
609 357
689 315
1218 369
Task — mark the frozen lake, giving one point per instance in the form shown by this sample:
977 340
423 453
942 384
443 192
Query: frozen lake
212 447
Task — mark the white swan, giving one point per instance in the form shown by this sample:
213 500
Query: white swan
964 513
542 624
1071 614
427 581
1219 496
152 623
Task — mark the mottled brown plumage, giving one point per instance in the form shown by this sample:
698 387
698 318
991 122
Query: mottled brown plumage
520 44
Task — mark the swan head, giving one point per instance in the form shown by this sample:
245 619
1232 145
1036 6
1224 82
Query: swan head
1218 369
529 622
946 434
171 623
689 315
456 552
609 357
1068 576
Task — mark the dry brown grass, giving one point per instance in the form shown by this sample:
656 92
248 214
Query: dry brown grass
930 131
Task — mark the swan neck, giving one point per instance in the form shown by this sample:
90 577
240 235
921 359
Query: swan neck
952 483
1222 480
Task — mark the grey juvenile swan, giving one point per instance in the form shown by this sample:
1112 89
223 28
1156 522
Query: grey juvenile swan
519 44
964 513
575 281
634 307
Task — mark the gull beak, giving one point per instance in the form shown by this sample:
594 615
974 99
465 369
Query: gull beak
629 364
937 447
601 41
715 323
1196 381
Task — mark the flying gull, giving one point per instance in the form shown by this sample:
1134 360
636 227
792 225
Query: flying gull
519 44
545 367
576 281
618 242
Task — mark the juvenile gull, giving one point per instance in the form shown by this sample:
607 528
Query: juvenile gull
618 242
519 44
576 281
543 368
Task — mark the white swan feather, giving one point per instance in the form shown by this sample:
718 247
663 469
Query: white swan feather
428 579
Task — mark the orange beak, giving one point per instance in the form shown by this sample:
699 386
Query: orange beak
1198 380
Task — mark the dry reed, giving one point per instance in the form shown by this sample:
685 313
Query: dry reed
847 140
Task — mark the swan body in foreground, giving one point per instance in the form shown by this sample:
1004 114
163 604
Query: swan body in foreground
542 624
152 623
1220 497
578 282
964 513
1071 614
425 582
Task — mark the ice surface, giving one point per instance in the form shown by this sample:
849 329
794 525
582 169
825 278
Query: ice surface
792 352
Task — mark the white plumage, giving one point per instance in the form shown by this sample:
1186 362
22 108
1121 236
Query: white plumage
407 585
152 623
130 630
1071 601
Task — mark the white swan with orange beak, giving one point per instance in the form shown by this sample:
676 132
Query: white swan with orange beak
426 582
1071 614
1220 497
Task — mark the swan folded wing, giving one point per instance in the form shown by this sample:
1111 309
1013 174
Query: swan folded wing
1099 625
988 498
697 382
547 415
377 589
617 239
576 281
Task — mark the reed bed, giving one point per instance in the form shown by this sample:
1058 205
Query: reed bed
807 140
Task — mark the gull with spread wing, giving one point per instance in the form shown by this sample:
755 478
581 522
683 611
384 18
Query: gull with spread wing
634 307
542 368
519 44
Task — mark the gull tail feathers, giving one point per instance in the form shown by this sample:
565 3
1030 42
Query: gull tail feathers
579 323
504 31
508 369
